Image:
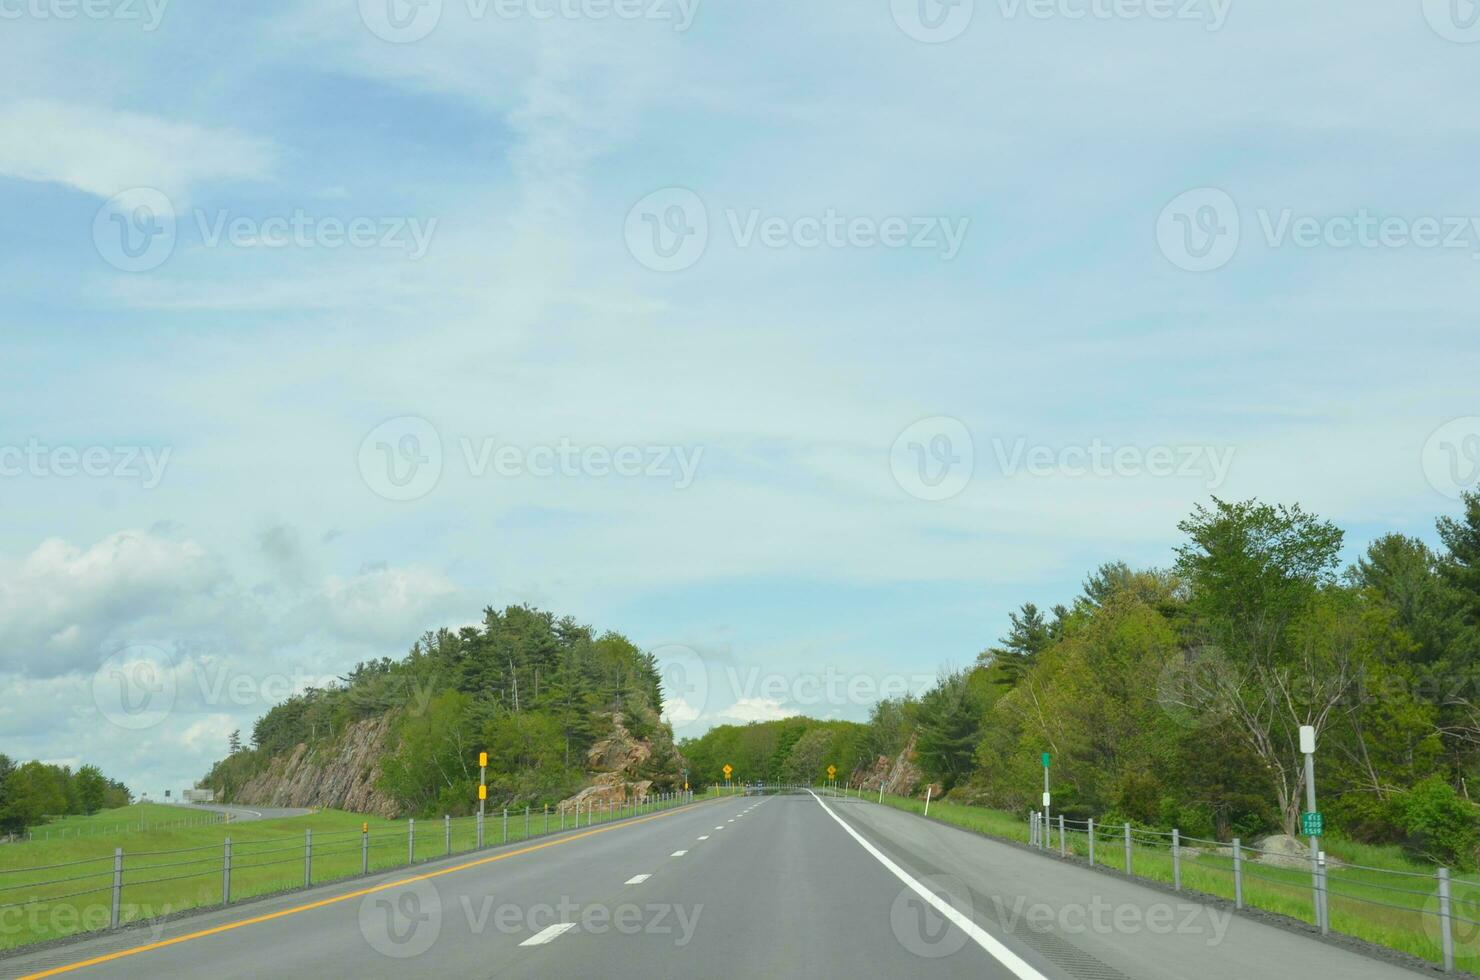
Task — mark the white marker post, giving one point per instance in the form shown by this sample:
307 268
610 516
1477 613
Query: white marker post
1046 760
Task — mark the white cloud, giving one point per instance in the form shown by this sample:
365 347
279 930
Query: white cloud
746 710
102 151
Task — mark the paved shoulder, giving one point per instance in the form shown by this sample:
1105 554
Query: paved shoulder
1091 924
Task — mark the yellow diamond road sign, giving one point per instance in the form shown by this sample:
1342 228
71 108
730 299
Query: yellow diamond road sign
728 770
832 771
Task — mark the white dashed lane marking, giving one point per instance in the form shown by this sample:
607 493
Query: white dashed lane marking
678 854
548 933
636 879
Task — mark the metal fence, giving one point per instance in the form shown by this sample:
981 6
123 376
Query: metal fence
1328 893
108 891
95 828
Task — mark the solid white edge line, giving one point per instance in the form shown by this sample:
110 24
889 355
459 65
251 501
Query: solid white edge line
548 933
993 948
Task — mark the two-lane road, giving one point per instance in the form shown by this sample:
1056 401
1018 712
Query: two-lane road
741 886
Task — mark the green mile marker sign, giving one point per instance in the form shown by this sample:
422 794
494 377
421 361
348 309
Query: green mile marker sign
1313 825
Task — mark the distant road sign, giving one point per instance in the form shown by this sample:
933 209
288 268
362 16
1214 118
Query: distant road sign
482 758
1313 824
832 771
727 770
1046 759
482 792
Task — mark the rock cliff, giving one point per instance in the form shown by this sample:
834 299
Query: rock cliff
899 776
617 764
340 775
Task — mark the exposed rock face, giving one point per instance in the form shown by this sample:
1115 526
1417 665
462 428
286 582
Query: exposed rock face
340 775
616 763
898 776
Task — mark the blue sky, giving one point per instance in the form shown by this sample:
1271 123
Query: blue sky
831 308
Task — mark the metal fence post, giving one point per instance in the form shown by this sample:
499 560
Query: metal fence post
118 886
1091 842
1238 873
1063 839
364 849
1128 865
447 830
1315 887
1325 910
506 825
307 857
547 818
1176 859
1446 921
411 841
526 821
226 871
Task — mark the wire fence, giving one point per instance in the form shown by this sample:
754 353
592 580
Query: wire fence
1435 915
48 901
96 828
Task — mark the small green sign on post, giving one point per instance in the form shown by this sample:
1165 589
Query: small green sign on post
1045 760
1312 825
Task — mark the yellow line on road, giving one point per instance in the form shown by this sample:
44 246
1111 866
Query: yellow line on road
227 927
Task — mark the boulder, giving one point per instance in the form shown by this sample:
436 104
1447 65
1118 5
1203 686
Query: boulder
1282 851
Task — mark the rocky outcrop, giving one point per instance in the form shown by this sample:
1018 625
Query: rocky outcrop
340 775
617 762
899 776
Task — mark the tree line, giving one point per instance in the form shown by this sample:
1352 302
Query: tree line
1174 696
30 792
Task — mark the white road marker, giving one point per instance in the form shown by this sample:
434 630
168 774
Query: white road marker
993 948
636 879
678 854
703 836
548 933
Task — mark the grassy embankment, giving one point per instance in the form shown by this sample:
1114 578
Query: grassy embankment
65 882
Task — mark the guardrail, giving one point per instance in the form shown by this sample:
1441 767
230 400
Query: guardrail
129 886
1326 890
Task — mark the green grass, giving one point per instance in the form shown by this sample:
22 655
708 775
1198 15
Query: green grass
170 868
136 818
1406 920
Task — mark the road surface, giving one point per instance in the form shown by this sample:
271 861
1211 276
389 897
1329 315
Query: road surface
788 886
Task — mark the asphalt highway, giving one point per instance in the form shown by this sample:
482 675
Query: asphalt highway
737 887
